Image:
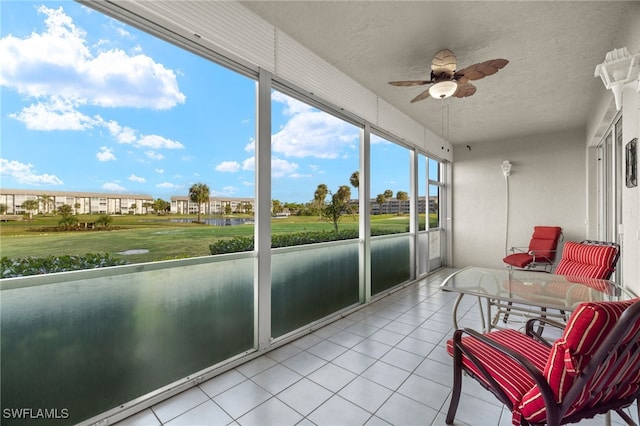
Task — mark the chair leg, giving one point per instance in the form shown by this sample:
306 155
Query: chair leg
505 318
457 386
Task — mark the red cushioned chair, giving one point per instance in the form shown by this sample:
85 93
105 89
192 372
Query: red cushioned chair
593 368
584 260
588 259
541 251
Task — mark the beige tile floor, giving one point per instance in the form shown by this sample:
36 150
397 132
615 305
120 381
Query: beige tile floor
385 364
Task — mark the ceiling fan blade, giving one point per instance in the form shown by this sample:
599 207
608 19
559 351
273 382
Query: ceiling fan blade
481 70
407 83
444 63
421 96
464 90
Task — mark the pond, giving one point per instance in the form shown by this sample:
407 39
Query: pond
226 221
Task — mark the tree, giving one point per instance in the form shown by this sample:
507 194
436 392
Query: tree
146 206
383 198
199 194
46 201
3 208
77 206
355 179
276 206
402 197
380 199
227 209
339 203
104 220
30 206
160 206
68 219
319 197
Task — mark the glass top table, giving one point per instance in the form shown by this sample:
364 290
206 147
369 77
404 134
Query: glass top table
527 292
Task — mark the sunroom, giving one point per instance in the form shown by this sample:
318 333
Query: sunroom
107 345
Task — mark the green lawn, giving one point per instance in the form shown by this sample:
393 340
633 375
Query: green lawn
163 240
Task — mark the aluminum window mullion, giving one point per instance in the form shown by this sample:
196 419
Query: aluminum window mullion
262 230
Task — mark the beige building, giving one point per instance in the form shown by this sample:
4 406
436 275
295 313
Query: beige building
81 202
216 205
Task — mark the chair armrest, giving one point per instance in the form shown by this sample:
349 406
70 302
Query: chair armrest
534 334
532 371
519 249
535 253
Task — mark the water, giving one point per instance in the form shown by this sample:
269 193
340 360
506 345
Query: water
227 221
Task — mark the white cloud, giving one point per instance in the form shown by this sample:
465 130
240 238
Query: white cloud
24 173
71 71
168 185
154 155
112 186
298 176
157 142
55 114
105 154
251 146
230 190
312 133
292 106
228 166
249 164
161 171
245 183
280 168
122 134
135 178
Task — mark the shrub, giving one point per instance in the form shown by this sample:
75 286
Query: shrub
45 265
239 244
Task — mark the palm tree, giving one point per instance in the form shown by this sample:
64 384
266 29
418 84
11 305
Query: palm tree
355 179
46 201
30 206
68 219
380 199
199 194
319 196
402 197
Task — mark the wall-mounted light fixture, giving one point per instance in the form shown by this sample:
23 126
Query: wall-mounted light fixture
506 168
619 68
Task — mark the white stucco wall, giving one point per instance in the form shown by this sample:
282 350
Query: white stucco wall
546 187
603 112
630 238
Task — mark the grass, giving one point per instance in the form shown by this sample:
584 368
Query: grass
164 240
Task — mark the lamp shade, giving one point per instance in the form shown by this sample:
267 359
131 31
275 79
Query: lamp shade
443 89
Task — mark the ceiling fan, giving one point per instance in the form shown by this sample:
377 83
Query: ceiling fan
449 82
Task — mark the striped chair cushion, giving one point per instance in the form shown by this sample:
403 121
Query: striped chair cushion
586 260
585 331
511 377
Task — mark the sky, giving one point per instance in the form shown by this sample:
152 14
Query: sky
91 104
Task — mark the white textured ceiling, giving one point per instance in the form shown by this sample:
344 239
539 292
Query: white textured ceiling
552 48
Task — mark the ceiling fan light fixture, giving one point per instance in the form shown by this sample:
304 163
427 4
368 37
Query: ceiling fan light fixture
443 89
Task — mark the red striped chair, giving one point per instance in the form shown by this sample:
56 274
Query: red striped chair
593 368
585 260
588 259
